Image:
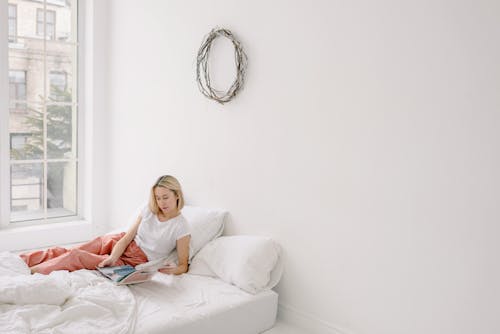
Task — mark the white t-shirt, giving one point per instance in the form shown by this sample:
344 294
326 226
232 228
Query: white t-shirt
157 239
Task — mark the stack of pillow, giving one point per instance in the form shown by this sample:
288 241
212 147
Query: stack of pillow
252 263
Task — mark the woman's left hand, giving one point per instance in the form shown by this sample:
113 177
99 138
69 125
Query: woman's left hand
173 269
170 268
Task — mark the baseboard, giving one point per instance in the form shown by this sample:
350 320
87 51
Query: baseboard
307 322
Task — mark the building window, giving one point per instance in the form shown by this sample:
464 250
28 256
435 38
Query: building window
12 23
17 90
50 23
18 140
43 157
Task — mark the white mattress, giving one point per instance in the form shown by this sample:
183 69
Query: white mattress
191 304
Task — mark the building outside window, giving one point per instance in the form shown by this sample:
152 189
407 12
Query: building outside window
43 160
12 23
46 24
17 90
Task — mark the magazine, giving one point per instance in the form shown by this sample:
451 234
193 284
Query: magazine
127 274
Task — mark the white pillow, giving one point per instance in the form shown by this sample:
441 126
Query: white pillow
252 263
205 225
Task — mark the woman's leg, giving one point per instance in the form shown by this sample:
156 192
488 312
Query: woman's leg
72 260
98 246
101 245
36 257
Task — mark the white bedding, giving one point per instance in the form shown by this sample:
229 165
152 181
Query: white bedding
193 304
62 302
84 302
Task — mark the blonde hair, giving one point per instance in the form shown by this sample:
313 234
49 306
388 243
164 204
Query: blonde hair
168 182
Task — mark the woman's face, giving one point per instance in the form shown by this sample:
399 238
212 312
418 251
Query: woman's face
166 200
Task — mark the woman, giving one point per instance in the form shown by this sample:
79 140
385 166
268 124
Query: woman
159 229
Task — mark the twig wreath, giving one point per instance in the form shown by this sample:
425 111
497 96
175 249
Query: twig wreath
202 70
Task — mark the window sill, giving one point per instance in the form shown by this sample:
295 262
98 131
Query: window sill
39 236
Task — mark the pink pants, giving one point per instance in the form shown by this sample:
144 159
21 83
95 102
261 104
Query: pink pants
86 256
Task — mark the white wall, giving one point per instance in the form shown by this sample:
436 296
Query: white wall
366 141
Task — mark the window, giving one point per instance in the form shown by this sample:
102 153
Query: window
18 140
17 90
50 23
12 23
42 160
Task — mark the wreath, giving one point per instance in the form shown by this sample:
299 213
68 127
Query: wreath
203 73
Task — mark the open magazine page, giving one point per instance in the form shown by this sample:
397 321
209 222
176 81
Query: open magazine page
153 265
126 274
137 277
129 275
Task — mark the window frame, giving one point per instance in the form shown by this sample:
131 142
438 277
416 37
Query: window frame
81 10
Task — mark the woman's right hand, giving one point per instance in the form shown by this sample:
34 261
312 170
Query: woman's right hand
106 262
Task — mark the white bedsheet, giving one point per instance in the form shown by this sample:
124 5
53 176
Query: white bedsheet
193 304
62 302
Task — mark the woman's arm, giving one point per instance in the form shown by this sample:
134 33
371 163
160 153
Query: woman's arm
122 244
182 255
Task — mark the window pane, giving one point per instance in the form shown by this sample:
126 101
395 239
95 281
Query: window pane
60 133
39 15
50 31
20 92
17 76
12 28
40 22
58 80
65 22
39 29
17 85
12 23
26 64
58 86
26 191
51 17
12 11
61 189
26 131
60 63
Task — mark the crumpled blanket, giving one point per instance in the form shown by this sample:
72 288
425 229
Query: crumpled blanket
53 289
63 302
